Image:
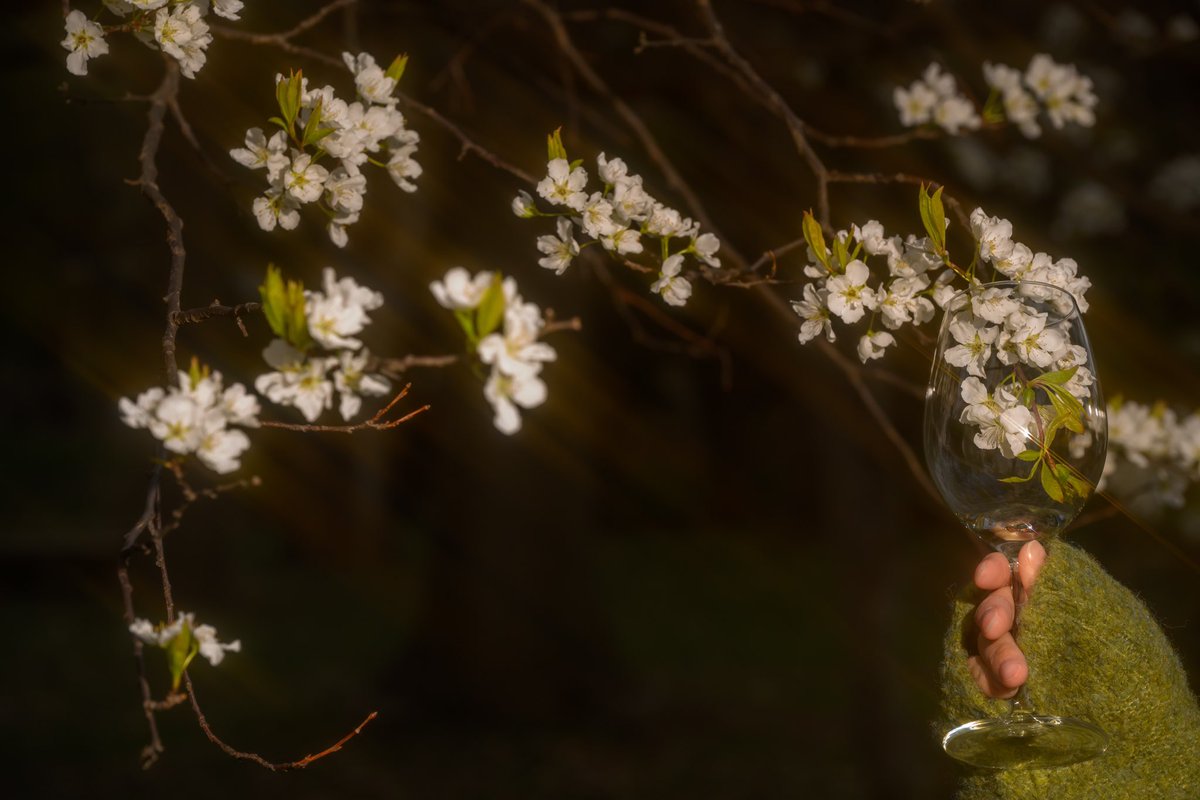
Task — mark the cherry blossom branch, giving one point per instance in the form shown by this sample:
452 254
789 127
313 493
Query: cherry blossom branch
631 118
375 423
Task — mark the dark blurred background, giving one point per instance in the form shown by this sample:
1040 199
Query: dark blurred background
674 582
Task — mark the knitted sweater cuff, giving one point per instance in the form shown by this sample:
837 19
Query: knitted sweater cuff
1095 652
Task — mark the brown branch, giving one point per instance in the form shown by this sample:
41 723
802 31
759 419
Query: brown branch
283 39
375 423
631 118
395 367
468 145
160 101
903 177
197 315
775 102
255 757
154 747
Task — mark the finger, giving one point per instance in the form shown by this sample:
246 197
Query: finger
1030 561
1004 662
994 615
987 684
993 572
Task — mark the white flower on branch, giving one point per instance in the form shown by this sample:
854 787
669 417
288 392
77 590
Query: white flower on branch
183 34
815 314
517 352
872 345
261 152
563 186
85 40
205 636
353 382
339 313
674 288
194 417
370 79
303 179
458 290
849 296
297 381
276 207
229 9
506 392
560 249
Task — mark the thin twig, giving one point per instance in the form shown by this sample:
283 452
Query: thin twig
197 315
274 766
375 423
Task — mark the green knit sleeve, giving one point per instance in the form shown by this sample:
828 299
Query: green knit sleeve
1094 652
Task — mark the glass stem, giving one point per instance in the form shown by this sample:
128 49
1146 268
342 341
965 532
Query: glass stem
1020 703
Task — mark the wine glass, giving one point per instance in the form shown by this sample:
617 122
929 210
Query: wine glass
1015 437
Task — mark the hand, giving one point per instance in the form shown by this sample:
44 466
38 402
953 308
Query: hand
998 665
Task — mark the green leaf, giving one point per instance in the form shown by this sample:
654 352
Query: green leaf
295 82
297 322
815 238
1016 479
278 122
395 70
840 252
554 146
575 164
937 215
274 301
490 313
180 652
993 109
467 320
923 206
1051 485
1029 455
1058 377
1079 486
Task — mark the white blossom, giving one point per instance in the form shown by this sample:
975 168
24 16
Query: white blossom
559 250
507 392
849 296
372 82
815 314
353 382
674 288
516 352
276 207
205 636
85 39
564 186
872 345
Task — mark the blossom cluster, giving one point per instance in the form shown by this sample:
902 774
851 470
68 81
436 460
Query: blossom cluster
196 416
504 331
316 351
1153 454
1065 95
178 29
618 216
1059 89
934 97
316 125
842 289
918 277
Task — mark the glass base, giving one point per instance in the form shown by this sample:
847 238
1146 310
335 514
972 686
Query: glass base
1025 741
